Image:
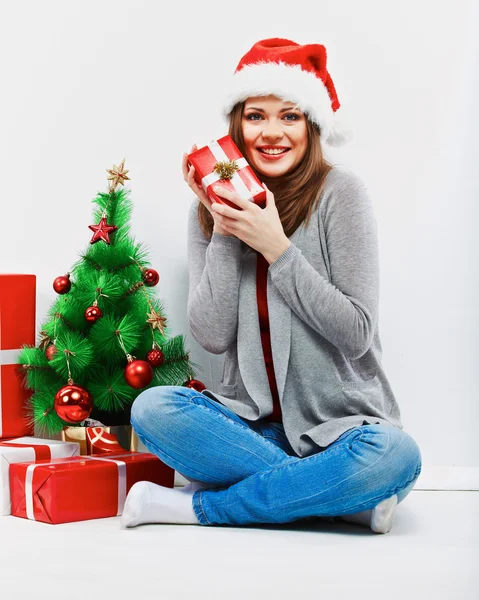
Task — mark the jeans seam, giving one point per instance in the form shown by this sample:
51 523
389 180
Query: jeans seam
201 507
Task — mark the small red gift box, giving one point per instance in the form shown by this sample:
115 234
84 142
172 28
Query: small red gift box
79 488
17 318
99 440
215 161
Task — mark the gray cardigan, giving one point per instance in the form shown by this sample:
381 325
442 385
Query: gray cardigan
323 296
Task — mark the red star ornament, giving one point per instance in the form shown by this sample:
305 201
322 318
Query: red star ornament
102 231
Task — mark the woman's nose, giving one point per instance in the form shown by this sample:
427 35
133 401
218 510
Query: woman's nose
272 132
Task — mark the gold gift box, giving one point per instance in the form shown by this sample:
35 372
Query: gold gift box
125 434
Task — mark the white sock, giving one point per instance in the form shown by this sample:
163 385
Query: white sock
379 519
151 503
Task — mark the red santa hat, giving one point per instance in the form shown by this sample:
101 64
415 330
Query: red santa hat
293 73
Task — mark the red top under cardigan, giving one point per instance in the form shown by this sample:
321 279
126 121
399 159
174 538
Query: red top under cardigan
262 266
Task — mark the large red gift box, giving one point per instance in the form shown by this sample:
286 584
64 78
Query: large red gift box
27 449
244 182
79 488
17 327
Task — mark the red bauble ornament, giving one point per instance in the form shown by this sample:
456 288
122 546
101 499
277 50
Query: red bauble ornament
195 384
62 284
102 231
50 351
73 403
151 277
92 314
155 357
138 374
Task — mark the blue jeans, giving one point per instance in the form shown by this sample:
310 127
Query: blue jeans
252 472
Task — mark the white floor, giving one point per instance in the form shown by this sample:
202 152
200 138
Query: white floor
431 553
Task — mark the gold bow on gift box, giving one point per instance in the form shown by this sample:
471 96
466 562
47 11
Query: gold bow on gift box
125 435
225 168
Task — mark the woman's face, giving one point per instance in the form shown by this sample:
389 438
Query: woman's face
275 135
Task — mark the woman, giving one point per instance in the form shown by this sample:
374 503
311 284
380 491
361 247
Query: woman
304 422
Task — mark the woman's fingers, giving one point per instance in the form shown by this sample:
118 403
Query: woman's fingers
191 180
184 163
189 177
197 189
232 197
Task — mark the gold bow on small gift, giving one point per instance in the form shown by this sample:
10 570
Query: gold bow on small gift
225 168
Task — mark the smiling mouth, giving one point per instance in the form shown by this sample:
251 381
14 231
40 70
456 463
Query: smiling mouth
273 151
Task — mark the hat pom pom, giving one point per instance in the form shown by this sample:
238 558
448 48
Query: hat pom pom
340 132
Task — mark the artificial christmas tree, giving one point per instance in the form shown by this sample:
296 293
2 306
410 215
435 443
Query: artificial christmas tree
105 339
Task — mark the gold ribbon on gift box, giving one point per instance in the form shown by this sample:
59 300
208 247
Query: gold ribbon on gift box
125 434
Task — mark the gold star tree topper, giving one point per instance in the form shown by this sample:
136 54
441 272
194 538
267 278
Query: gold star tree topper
117 175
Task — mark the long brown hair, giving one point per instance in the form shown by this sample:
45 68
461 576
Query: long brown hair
295 192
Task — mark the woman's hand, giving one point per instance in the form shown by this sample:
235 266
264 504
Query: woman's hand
189 177
260 228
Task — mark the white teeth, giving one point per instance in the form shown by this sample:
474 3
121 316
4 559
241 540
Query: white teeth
275 151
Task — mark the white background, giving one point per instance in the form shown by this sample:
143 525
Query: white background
84 84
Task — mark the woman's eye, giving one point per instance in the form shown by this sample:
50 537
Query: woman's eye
258 117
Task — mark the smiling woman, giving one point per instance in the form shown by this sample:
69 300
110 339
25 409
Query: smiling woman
304 422
275 135
297 179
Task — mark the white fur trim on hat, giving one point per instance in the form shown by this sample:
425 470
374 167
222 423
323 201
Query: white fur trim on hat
290 83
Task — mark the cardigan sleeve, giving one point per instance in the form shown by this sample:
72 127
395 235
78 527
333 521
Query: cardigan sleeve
345 309
214 273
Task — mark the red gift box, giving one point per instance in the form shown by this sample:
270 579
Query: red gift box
244 182
79 488
99 440
27 449
17 327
